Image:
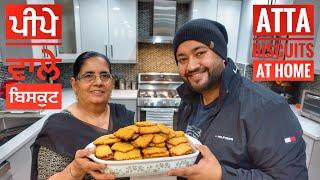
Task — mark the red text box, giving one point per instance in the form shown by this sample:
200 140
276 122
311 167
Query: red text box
33 96
283 20
278 70
33 21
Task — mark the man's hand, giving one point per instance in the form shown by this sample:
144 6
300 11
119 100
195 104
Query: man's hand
207 168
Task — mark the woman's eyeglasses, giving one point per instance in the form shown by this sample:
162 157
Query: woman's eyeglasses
90 77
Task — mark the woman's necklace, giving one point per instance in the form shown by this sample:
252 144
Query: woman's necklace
97 121
102 121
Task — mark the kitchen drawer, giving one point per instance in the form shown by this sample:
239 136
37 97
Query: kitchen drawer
309 146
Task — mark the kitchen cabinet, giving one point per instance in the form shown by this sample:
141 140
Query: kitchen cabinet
71 38
311 136
110 27
20 162
17 51
71 43
225 12
312 156
205 9
70 46
229 15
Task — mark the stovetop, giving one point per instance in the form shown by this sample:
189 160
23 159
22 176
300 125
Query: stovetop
158 90
161 93
158 98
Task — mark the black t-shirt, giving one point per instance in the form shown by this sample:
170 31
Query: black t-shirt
199 117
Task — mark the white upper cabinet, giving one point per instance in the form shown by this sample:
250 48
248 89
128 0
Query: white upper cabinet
8 51
94 25
110 27
227 12
204 9
229 15
123 30
71 38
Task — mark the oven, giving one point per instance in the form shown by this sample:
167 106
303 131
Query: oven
165 115
158 99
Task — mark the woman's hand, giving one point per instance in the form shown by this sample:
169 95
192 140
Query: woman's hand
82 165
207 168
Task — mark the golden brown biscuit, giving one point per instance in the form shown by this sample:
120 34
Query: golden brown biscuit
169 145
181 149
145 123
163 144
158 139
122 146
102 151
172 134
143 141
157 155
135 136
110 157
177 140
124 133
133 127
111 141
164 135
133 154
106 139
179 134
164 129
154 150
149 129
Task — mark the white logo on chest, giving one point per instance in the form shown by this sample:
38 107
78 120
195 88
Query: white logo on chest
224 137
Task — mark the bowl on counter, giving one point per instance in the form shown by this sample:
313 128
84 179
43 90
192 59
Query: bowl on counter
148 167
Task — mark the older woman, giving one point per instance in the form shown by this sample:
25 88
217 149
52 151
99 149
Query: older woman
58 150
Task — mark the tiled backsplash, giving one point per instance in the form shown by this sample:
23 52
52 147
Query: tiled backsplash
151 58
3 73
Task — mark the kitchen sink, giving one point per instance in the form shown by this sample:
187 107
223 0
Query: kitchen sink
14 122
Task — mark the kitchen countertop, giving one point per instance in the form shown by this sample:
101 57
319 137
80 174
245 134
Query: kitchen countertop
309 127
115 94
7 149
124 94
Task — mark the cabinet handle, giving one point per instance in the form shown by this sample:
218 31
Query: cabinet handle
5 167
43 54
56 50
107 53
112 51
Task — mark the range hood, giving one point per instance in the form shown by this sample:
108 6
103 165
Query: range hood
164 22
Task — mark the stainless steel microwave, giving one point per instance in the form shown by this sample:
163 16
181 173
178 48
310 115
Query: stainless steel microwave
310 105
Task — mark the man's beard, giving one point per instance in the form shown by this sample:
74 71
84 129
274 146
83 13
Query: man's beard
214 77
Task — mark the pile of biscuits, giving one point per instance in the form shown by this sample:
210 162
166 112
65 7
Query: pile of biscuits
142 140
